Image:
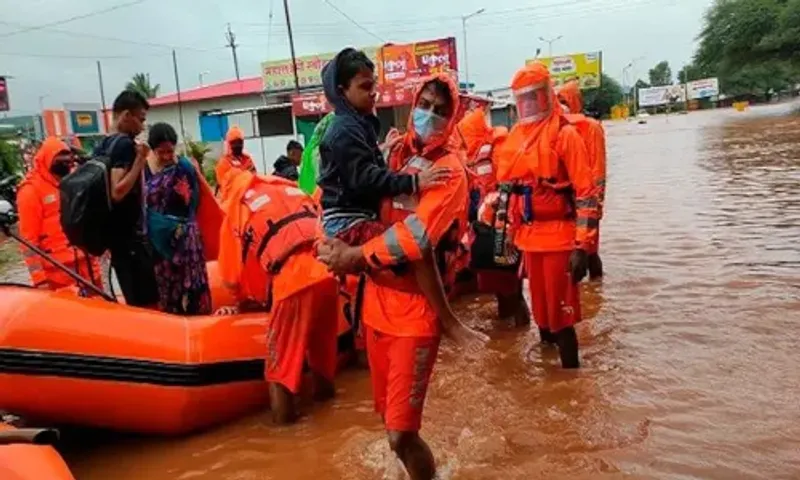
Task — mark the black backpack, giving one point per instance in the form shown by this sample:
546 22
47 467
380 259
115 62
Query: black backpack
86 201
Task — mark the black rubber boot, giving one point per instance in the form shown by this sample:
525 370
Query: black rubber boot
595 267
547 337
567 341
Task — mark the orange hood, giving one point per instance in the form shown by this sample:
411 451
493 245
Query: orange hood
570 94
234 133
529 150
445 138
475 131
43 159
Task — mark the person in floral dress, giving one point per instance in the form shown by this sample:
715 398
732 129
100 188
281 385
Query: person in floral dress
172 193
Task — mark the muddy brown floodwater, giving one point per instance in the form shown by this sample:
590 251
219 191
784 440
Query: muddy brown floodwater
690 345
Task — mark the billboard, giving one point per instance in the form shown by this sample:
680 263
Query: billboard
315 103
585 67
396 64
404 65
654 96
4 105
705 88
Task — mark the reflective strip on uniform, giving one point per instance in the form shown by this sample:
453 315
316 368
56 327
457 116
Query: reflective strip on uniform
590 202
393 245
584 222
417 229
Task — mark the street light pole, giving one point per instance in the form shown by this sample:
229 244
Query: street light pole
464 19
200 76
550 44
624 75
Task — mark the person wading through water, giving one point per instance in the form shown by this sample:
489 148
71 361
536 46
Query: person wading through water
403 327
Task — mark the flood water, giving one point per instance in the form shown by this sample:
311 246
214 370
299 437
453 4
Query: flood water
690 344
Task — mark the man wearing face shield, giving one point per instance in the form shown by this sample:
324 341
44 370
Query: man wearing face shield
554 207
39 204
402 327
234 156
594 136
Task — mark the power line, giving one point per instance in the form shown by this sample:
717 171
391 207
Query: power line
72 19
348 17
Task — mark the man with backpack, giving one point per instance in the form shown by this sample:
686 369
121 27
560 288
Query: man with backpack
131 255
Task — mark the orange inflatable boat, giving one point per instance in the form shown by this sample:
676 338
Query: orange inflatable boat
29 459
68 360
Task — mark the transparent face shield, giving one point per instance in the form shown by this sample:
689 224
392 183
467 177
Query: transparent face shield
534 103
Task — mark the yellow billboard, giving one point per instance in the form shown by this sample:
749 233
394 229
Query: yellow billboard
279 74
585 67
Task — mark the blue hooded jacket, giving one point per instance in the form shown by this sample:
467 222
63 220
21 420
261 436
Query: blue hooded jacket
353 175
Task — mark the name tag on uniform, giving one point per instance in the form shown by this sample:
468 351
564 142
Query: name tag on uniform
48 199
258 202
484 169
419 163
294 192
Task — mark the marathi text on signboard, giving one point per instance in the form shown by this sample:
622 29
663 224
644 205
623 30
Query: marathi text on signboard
406 64
4 104
584 67
396 64
655 96
705 88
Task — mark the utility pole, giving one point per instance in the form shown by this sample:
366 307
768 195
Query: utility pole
550 44
178 91
291 45
102 95
231 38
464 19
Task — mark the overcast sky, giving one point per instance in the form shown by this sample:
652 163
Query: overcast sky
52 57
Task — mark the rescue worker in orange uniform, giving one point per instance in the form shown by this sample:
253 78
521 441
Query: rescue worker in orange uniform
594 136
266 259
234 155
554 207
482 142
39 204
402 329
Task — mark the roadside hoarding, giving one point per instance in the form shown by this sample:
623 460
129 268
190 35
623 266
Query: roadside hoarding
278 75
705 88
585 67
4 104
406 64
654 96
400 67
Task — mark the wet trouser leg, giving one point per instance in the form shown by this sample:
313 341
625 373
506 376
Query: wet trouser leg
555 300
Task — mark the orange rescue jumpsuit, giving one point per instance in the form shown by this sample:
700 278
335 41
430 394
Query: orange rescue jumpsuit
39 204
555 210
228 161
402 329
594 136
273 225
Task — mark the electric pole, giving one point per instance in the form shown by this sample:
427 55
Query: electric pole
291 45
231 38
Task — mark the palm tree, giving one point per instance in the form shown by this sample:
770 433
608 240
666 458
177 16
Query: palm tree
141 83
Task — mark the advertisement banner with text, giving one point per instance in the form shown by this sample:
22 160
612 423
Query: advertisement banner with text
705 88
654 96
585 67
278 75
398 65
405 64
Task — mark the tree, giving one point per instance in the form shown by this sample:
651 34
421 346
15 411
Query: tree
661 74
600 100
140 82
753 46
10 161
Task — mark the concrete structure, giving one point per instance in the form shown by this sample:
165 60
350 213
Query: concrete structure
210 110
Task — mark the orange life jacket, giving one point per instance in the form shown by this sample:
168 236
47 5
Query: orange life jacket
282 220
39 204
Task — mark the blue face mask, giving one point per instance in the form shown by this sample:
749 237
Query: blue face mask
427 124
